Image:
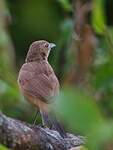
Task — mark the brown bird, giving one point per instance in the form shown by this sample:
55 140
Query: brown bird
39 84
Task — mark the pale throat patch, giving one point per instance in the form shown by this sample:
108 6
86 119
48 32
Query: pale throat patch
48 52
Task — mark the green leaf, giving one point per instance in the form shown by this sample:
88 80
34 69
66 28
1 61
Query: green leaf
81 113
66 5
78 109
98 16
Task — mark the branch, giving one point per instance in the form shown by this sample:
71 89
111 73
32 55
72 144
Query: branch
18 135
82 46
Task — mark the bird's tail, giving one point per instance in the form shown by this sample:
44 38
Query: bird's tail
50 120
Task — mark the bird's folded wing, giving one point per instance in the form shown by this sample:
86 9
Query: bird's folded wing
42 86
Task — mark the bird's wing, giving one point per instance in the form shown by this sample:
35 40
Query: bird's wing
43 85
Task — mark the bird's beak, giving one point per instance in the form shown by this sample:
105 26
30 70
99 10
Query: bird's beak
52 45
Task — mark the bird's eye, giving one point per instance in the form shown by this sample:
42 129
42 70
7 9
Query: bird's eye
46 45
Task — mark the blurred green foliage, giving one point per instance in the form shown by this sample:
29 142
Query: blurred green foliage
82 115
52 20
65 5
3 147
98 16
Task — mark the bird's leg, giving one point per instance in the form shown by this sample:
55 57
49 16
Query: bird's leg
45 119
35 117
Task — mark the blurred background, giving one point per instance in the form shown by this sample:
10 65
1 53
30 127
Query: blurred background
82 60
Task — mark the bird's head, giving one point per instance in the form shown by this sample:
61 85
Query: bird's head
39 50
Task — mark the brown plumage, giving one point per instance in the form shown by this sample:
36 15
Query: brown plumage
38 82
